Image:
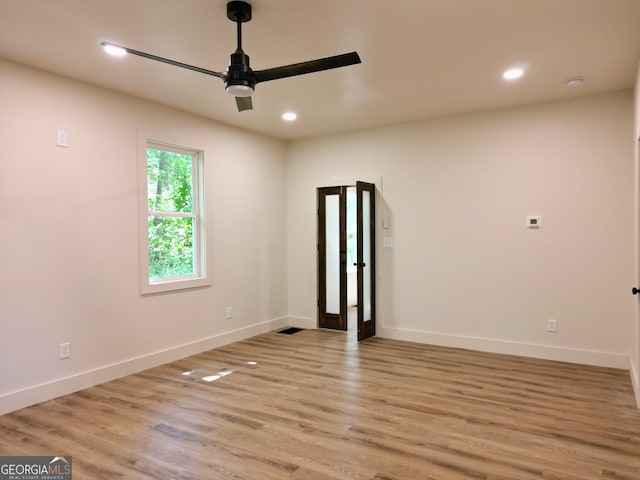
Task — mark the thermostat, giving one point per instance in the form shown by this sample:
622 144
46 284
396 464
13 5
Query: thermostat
534 221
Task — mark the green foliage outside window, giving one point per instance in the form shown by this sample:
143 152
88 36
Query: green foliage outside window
169 191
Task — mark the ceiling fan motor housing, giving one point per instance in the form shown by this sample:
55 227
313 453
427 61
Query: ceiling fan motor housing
239 72
239 78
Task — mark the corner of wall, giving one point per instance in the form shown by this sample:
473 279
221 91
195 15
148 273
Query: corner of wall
301 322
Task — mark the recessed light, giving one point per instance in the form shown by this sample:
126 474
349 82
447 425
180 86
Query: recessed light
114 50
513 73
574 82
289 116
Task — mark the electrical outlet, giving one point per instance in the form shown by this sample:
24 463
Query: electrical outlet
229 313
65 350
552 326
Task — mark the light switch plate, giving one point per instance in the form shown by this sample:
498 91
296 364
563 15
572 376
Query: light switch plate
62 138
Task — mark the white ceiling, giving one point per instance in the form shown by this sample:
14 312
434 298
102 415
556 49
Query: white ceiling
420 58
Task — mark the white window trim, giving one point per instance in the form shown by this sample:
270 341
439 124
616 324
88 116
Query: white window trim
181 145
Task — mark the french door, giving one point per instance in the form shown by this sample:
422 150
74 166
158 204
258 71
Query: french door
332 258
336 253
366 260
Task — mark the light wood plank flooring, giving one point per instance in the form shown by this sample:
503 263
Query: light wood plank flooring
316 405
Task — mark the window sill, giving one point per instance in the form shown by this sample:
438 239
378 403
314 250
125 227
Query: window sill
174 284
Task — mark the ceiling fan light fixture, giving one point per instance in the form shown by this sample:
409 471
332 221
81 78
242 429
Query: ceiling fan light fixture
239 90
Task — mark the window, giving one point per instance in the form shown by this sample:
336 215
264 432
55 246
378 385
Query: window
173 249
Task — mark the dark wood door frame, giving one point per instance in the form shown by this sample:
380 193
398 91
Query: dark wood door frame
366 266
332 320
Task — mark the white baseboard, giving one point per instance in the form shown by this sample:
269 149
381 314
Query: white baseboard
301 322
548 352
63 386
635 380
39 393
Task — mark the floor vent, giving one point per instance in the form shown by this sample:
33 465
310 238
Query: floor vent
291 331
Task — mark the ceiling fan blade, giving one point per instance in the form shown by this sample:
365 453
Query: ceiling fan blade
244 103
307 67
165 60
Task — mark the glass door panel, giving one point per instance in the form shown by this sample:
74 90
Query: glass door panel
332 256
366 256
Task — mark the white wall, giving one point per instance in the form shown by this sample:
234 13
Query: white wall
635 351
465 271
68 242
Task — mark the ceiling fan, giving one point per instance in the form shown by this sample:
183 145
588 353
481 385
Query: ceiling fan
239 79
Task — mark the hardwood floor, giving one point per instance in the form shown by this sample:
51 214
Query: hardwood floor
316 405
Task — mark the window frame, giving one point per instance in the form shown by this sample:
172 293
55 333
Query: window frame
202 275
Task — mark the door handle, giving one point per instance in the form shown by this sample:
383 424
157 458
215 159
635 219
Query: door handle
364 265
635 291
